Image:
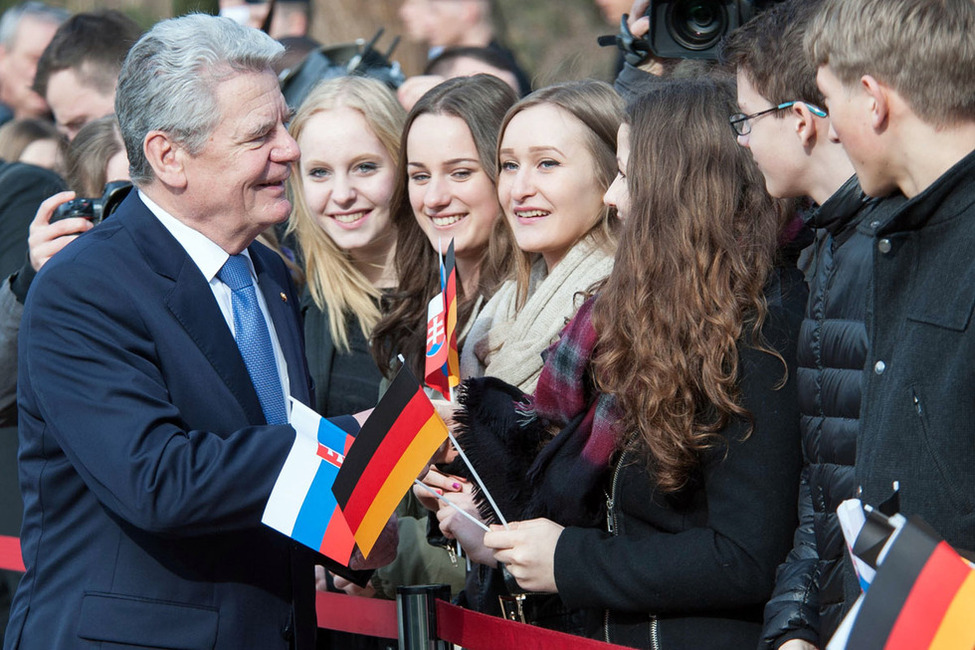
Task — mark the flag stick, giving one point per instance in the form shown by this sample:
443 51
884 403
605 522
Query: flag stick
477 478
443 280
450 503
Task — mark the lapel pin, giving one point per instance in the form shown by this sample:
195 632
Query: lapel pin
284 298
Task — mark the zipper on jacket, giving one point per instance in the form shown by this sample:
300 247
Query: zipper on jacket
654 634
919 409
917 403
611 527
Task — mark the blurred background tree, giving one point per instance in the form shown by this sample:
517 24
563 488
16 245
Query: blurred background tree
554 39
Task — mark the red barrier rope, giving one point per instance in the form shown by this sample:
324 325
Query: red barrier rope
476 631
369 616
10 557
375 617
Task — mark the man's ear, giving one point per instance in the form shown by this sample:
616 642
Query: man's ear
166 158
806 128
878 96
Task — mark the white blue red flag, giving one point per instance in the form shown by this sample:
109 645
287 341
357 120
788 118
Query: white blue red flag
301 504
438 347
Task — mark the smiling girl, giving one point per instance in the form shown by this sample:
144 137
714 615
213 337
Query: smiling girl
348 132
447 191
556 158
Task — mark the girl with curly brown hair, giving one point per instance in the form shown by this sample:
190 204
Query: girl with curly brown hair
666 497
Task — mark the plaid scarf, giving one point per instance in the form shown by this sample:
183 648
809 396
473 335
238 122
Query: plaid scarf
506 434
570 469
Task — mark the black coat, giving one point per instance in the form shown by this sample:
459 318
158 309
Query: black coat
807 602
919 392
22 189
344 382
693 570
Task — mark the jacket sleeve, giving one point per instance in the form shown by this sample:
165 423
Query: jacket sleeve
727 561
793 610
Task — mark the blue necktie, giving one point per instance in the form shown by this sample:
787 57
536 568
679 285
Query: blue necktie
253 339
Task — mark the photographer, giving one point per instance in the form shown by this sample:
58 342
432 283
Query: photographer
94 158
642 68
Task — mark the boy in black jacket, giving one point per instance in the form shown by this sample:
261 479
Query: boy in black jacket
897 76
784 126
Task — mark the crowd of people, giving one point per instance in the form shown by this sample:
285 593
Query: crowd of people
695 312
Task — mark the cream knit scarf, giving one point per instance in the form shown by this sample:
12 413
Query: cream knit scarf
507 344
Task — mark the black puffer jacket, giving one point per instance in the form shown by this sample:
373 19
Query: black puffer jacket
808 599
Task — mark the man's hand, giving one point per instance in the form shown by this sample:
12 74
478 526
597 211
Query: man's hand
383 551
640 26
352 588
528 550
638 23
46 238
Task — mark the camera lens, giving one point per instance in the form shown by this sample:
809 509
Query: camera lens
697 24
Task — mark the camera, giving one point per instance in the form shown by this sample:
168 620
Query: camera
693 29
684 29
94 210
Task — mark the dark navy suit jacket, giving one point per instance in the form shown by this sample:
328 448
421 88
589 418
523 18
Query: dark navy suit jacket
145 461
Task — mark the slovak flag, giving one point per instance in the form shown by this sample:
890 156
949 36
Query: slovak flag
301 504
442 371
437 346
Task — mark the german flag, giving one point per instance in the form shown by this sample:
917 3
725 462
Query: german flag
394 445
448 274
923 596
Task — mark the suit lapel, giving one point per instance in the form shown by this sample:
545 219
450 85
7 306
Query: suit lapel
192 303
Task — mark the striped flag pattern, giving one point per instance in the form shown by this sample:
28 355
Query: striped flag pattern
394 445
302 505
448 280
442 365
923 596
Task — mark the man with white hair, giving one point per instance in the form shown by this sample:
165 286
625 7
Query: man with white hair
157 355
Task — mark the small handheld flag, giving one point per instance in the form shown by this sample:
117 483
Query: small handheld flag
922 596
437 346
448 280
392 448
301 504
442 367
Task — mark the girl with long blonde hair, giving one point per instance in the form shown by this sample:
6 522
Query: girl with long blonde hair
348 131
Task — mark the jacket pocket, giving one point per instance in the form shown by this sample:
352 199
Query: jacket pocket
147 623
951 461
947 305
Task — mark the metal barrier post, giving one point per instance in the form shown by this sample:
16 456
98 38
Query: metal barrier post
416 613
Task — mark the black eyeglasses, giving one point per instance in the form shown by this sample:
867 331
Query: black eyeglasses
741 125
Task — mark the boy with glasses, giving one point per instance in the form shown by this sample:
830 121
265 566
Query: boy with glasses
784 126
898 79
